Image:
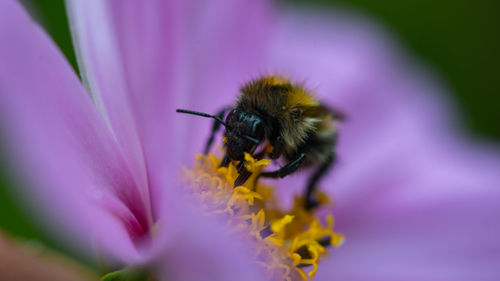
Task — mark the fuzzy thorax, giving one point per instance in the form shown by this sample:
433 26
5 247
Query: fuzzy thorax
288 244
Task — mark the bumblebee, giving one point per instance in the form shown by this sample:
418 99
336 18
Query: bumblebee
279 119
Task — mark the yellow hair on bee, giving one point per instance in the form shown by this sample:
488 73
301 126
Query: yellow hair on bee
297 96
290 104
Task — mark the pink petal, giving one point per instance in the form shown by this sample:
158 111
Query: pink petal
74 173
144 61
413 201
436 223
103 69
192 247
225 48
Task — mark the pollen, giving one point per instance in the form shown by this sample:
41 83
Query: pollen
288 244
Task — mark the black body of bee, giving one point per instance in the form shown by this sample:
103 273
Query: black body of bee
272 111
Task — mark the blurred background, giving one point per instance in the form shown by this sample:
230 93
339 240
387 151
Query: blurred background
458 39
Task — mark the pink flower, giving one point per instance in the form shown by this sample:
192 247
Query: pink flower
414 200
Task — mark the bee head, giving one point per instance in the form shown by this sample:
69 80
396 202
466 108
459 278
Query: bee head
244 132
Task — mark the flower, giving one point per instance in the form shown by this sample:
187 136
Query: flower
414 200
283 241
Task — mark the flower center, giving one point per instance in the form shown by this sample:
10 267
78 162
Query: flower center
288 244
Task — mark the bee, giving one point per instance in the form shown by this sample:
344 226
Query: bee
277 118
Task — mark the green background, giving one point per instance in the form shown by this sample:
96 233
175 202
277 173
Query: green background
459 39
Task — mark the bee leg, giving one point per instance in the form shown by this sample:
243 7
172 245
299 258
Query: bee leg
243 174
285 170
215 127
310 202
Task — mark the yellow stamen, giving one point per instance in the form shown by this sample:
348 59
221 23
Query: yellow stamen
286 243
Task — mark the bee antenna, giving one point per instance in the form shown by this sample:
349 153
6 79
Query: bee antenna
217 118
202 114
